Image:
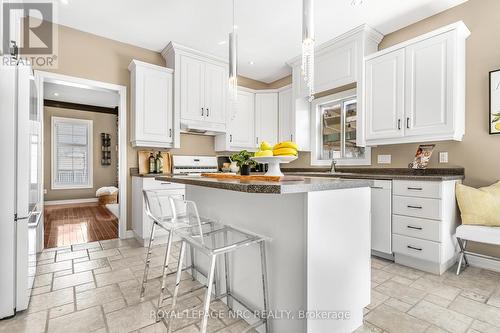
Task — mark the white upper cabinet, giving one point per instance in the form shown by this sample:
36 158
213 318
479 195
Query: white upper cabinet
429 86
266 117
200 89
384 102
415 91
241 125
151 105
285 115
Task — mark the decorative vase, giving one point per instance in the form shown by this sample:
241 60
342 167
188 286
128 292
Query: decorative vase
245 170
234 167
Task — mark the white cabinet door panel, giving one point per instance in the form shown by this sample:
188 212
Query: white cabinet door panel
385 96
242 127
429 71
266 116
335 69
192 88
215 93
285 115
381 216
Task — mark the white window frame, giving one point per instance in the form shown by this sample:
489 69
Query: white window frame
89 123
316 132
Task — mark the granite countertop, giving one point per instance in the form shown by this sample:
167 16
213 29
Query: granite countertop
309 184
433 174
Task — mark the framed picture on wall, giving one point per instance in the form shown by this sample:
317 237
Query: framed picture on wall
495 102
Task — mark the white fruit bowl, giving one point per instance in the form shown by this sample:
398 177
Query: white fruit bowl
274 163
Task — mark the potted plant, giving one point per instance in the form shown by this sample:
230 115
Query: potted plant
243 161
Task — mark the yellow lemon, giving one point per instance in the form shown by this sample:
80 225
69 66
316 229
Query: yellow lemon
264 145
497 126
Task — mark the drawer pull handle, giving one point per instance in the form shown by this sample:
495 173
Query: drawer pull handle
377 187
412 227
414 248
415 188
165 183
414 207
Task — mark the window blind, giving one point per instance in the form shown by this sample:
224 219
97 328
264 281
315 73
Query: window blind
72 150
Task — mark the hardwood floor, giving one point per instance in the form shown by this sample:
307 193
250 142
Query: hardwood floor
75 224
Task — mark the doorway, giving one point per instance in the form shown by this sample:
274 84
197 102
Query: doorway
84 159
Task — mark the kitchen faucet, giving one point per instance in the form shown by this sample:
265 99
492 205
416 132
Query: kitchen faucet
332 168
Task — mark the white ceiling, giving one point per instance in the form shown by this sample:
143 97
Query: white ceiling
269 30
80 95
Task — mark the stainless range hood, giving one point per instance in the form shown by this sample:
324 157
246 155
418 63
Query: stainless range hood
195 127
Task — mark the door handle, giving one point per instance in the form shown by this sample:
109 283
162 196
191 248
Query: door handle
230 138
202 112
412 227
407 122
208 112
414 207
399 124
170 132
414 248
257 140
415 188
291 137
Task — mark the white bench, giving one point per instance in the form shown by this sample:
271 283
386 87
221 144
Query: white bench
479 234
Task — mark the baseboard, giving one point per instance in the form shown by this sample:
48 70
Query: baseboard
129 234
70 201
484 263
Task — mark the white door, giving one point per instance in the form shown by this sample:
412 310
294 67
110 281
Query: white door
154 93
385 96
285 115
192 88
381 216
216 87
242 126
266 118
429 80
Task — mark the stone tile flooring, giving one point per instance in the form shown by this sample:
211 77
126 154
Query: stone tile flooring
94 287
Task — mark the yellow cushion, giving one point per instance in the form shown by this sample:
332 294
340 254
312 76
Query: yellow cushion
479 206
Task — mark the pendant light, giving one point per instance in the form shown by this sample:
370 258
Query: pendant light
308 46
233 61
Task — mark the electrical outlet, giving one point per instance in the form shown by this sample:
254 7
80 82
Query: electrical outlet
443 157
384 159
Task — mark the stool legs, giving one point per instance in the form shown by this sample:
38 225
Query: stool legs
462 244
148 260
227 277
265 289
208 295
165 270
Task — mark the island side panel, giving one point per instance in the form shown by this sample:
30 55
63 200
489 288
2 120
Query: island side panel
280 217
338 257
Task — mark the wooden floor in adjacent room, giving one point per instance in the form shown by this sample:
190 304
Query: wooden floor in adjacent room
75 224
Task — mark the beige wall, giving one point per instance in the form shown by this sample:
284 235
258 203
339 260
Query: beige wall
102 175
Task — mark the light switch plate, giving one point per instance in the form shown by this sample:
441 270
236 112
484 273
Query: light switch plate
384 159
443 157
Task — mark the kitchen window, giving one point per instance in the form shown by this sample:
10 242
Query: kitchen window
71 153
334 132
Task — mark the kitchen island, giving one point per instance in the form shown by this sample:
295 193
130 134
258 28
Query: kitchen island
318 257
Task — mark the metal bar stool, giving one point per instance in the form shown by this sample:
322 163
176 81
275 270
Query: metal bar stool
158 208
214 242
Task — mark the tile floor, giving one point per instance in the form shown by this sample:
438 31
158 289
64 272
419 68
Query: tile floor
74 224
95 287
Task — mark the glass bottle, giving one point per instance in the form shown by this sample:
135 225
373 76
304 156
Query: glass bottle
152 163
159 163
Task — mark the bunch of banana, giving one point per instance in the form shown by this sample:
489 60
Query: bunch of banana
265 150
287 148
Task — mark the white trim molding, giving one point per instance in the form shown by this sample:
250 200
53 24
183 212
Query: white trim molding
70 201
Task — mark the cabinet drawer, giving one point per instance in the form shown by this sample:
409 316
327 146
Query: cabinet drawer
153 184
417 248
417 207
417 189
416 227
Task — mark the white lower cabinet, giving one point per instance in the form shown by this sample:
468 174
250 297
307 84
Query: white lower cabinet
381 214
423 224
141 223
